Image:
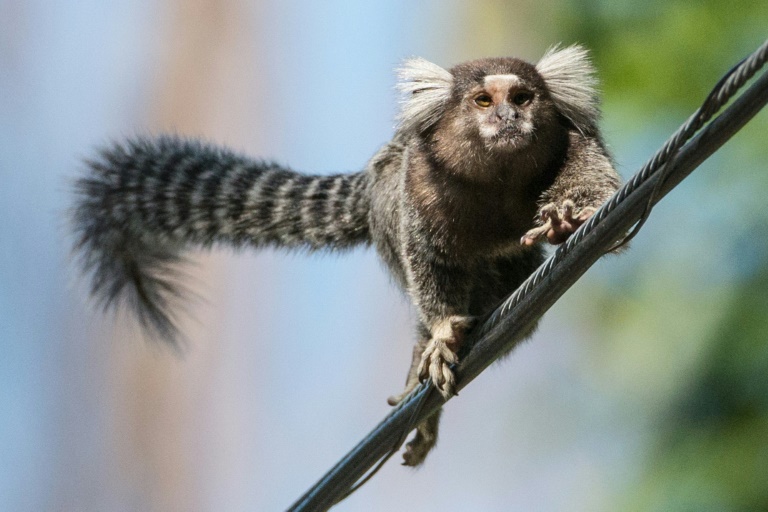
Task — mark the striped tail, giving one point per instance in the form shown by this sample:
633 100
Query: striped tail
145 202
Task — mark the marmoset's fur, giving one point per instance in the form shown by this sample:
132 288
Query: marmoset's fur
489 157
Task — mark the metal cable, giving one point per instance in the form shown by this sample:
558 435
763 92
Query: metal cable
679 156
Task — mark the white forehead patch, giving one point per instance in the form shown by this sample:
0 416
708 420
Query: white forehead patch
501 80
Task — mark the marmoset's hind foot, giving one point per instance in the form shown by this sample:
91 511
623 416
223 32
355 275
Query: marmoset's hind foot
418 448
441 352
559 223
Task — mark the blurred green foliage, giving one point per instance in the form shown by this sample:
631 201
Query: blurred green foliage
694 296
709 448
665 52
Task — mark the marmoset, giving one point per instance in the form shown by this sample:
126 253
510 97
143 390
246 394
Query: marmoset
489 157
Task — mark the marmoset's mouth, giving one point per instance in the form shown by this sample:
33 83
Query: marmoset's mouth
508 136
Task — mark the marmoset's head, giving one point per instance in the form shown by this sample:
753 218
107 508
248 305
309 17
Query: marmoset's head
503 104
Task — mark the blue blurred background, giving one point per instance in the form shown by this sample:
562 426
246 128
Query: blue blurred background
646 387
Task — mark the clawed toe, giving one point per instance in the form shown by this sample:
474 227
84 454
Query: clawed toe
415 453
435 364
417 449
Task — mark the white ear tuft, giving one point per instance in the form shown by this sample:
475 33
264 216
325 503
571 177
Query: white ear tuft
571 81
426 87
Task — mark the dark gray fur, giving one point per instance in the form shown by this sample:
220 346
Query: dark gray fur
144 202
445 203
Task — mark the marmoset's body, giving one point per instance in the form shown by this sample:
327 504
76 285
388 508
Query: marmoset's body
489 157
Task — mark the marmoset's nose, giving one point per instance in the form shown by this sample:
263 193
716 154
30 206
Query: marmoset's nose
505 113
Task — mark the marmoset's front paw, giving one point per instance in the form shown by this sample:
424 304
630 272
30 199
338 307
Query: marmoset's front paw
558 222
441 352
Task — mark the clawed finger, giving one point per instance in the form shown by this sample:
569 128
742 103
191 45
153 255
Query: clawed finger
559 223
550 214
533 235
568 208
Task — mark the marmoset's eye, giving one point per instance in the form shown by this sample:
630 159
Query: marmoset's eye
483 100
522 98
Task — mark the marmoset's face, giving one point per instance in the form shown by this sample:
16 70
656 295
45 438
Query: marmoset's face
502 100
503 109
